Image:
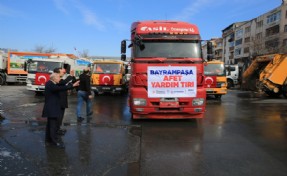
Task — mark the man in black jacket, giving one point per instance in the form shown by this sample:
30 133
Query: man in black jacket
63 95
52 108
84 95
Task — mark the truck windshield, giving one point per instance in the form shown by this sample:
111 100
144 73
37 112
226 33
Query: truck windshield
104 68
214 70
43 66
169 49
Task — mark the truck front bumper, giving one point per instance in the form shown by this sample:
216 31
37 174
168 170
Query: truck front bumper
107 89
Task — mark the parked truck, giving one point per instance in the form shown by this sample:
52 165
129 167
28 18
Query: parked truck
167 79
215 78
12 66
109 76
40 69
270 74
232 75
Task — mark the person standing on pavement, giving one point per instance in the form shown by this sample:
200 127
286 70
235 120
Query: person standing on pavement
84 95
63 95
52 108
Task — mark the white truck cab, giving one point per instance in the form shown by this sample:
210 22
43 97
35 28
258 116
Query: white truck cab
232 75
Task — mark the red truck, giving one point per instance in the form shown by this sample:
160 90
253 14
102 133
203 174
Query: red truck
167 70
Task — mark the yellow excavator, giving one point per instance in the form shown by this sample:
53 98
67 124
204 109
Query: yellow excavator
270 74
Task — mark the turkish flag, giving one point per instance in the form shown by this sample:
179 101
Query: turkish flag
106 79
210 81
41 78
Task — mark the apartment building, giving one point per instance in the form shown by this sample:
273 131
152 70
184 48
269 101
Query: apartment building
217 48
265 34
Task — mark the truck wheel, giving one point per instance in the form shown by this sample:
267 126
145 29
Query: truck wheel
218 97
2 80
229 84
284 91
39 93
273 94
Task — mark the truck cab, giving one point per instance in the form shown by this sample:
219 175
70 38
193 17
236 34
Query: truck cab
167 76
215 78
232 75
39 70
109 76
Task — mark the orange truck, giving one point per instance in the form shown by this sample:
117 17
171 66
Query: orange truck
270 73
167 70
215 78
12 67
109 76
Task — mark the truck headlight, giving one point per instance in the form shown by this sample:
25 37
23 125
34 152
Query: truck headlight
139 102
197 101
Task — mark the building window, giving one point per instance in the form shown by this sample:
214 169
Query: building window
259 35
272 43
274 17
273 30
285 28
286 14
246 50
259 24
247 40
238 34
231 44
247 29
237 51
284 43
238 42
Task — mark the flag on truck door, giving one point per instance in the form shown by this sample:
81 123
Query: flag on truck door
41 78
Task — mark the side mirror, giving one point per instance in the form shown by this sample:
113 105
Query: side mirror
126 69
209 51
209 47
27 63
25 66
123 57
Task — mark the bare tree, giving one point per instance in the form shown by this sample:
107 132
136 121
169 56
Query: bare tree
39 49
256 45
51 50
42 49
84 53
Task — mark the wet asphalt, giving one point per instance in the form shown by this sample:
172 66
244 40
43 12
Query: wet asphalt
243 134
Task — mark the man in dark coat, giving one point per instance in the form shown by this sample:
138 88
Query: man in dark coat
52 108
63 95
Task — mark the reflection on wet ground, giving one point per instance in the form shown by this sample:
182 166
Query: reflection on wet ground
241 134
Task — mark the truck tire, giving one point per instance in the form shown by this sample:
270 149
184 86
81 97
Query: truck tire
229 84
217 97
284 91
2 79
273 94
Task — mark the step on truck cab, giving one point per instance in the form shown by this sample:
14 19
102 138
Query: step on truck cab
167 79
